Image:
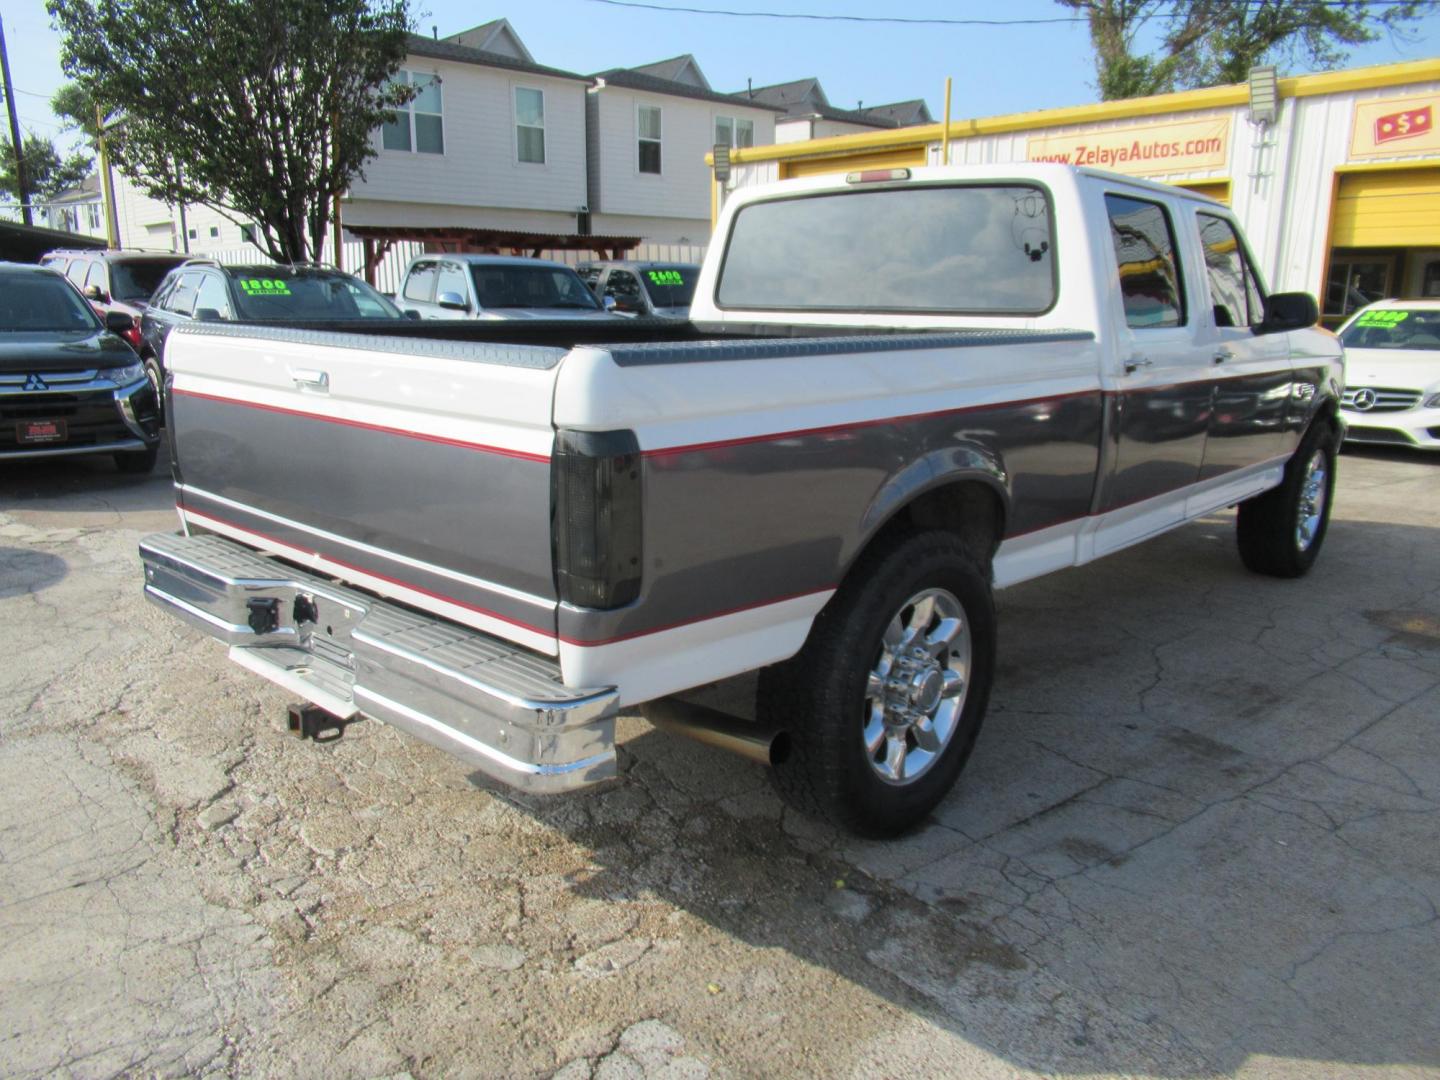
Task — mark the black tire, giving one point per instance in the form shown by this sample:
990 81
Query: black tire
821 697
137 462
1268 527
157 384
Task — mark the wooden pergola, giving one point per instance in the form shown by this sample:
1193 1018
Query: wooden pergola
459 239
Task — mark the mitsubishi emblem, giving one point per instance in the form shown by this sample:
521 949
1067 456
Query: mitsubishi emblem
35 382
1364 400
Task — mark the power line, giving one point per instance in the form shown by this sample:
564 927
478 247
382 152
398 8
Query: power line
902 21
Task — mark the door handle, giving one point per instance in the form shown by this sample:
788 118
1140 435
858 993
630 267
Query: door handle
1223 355
310 379
1134 365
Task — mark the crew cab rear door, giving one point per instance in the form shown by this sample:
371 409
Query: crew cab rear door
1160 397
419 469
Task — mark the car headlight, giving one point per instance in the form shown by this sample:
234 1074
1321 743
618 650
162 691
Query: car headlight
124 376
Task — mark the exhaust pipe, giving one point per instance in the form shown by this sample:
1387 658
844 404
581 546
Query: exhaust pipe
715 728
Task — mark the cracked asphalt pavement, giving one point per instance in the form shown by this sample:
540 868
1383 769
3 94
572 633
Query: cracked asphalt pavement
1200 836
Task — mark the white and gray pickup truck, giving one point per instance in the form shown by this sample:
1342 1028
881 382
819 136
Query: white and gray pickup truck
899 390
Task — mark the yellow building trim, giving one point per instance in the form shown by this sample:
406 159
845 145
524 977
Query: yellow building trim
1215 97
1408 165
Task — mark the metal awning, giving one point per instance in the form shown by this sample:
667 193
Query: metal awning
26 243
461 239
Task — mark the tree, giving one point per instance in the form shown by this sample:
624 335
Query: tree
1212 42
261 109
72 104
46 172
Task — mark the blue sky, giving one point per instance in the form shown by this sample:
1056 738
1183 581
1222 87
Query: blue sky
996 69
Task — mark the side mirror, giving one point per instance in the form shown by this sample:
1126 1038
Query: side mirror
411 313
1289 311
94 292
207 314
118 322
608 301
452 301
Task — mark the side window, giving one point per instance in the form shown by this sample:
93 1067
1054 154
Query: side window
97 277
182 298
1234 290
1150 280
420 285
213 296
76 272
622 283
452 279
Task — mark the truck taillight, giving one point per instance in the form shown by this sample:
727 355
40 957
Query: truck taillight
595 477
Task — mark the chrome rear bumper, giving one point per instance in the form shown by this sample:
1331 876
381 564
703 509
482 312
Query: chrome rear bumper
495 706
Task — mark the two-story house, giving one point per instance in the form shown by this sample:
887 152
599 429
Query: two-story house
648 131
808 114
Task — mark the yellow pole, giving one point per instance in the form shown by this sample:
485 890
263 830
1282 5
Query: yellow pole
335 207
945 146
107 183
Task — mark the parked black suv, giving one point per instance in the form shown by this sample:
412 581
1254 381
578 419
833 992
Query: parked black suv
115 280
205 291
68 383
661 290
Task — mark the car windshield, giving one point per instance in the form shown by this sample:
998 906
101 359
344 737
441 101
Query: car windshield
513 285
139 279
1393 328
286 295
670 286
37 301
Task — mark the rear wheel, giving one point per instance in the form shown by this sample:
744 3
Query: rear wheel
884 702
1280 532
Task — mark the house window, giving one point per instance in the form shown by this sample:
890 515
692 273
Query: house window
649 125
734 131
418 126
94 212
214 230
530 125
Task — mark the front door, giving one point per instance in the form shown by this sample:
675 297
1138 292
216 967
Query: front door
1251 370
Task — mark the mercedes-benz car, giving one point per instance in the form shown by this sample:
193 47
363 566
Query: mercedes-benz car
1392 374
69 383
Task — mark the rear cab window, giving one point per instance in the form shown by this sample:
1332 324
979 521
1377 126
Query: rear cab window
954 249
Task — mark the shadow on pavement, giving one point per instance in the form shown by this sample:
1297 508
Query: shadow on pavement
25 570
84 484
1199 828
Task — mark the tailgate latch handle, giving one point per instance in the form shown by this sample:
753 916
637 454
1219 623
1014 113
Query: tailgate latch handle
310 379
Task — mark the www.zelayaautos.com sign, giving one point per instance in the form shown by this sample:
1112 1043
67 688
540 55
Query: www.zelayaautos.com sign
1142 149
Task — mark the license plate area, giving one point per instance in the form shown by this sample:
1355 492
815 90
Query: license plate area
40 431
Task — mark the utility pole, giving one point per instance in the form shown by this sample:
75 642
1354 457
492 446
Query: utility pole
107 183
15 142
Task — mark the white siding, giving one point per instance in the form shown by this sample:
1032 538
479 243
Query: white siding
480 166
682 189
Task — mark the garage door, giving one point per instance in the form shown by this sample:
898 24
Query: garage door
1219 190
876 159
1390 208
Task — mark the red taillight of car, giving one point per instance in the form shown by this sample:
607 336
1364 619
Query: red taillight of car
133 337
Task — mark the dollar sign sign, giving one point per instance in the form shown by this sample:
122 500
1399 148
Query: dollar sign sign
1403 123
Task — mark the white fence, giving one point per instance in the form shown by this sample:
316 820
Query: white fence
391 270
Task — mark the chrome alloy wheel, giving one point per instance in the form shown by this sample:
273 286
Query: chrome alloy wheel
916 690
1311 507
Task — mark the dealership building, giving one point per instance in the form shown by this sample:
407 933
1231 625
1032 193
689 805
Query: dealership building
1335 177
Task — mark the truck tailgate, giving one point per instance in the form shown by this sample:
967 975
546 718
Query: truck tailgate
417 469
